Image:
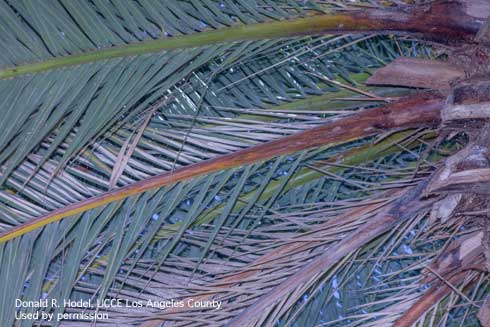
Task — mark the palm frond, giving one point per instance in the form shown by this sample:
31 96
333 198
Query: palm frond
236 152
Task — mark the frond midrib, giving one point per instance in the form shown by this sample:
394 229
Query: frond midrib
333 23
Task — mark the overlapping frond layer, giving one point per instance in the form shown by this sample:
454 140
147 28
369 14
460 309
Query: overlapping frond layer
316 216
113 243
91 98
202 119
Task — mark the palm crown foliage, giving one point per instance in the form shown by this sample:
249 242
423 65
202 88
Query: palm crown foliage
137 163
